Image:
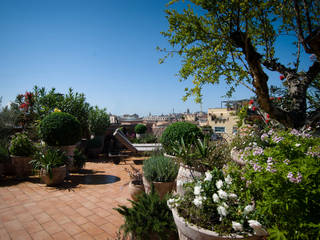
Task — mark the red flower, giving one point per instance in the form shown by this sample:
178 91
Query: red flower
282 77
279 98
23 105
251 101
267 120
254 108
272 98
268 115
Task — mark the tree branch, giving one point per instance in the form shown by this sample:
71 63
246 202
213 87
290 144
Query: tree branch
313 71
274 66
306 8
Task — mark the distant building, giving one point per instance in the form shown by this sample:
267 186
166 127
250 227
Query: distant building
113 119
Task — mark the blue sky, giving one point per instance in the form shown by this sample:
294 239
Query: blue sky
105 49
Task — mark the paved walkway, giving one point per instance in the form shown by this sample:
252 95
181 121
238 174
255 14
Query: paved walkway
80 209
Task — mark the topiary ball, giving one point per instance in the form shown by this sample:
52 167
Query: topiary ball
140 128
174 132
60 129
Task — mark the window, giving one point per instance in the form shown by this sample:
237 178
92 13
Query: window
234 130
219 129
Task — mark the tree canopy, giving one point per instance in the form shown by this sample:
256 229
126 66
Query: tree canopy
234 41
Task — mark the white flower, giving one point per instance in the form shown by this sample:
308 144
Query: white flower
248 209
225 205
254 224
219 184
215 198
233 196
237 226
298 145
198 201
222 194
197 190
228 180
222 211
208 176
171 201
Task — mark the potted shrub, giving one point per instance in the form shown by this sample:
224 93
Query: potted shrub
4 156
212 209
161 172
21 150
148 218
136 186
99 122
140 130
78 161
52 165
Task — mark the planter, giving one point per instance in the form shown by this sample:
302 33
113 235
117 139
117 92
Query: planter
186 174
162 188
135 188
191 232
58 175
22 166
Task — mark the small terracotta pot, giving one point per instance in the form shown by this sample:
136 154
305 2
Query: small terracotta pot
135 188
162 188
58 176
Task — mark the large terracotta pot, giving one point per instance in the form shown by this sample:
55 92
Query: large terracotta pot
191 232
135 188
58 176
22 166
186 174
162 188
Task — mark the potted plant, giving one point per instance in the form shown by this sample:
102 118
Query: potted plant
212 208
136 186
21 150
148 218
52 165
78 161
140 130
99 122
4 156
161 172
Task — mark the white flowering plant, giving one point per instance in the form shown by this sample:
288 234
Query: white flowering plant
283 176
213 203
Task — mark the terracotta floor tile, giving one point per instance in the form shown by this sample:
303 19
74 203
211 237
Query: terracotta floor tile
60 218
110 228
84 211
83 236
101 212
4 234
92 229
42 235
32 227
105 236
67 211
61 236
13 225
20 235
42 217
51 227
97 220
72 228
78 219
25 217
7 216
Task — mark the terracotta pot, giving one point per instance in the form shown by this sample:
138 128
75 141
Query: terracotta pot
58 176
135 188
191 232
186 174
162 188
22 166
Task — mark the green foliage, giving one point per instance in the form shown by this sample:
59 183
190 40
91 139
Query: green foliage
49 159
174 132
159 168
60 129
146 138
98 120
21 145
4 154
79 159
148 217
284 173
140 128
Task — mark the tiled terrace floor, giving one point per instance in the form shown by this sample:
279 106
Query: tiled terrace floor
80 209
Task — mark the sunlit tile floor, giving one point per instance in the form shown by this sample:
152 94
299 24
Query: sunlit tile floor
82 208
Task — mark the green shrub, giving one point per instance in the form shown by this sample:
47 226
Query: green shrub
140 128
148 217
79 159
174 132
21 145
160 169
49 159
60 129
4 155
98 121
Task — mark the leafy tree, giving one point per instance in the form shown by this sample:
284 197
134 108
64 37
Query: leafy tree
234 41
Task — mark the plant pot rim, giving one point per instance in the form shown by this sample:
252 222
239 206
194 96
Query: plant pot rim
158 182
208 232
20 156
